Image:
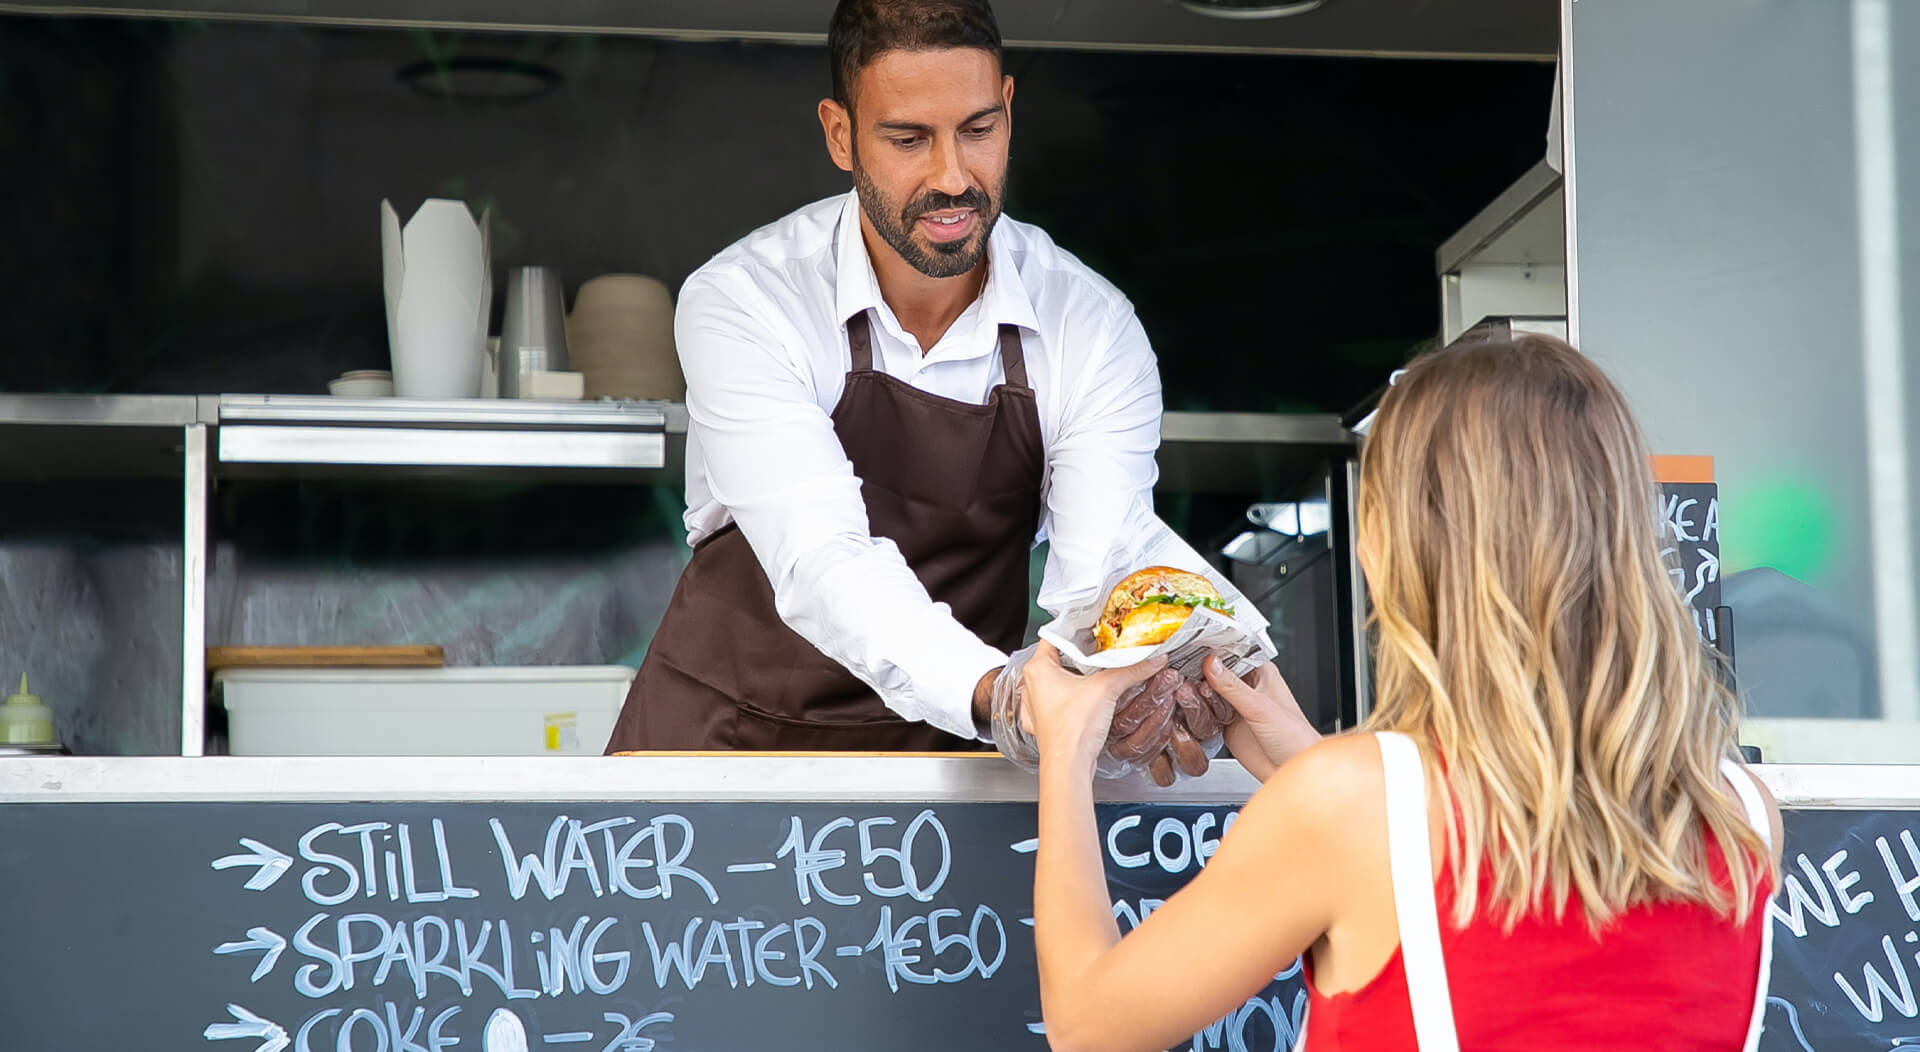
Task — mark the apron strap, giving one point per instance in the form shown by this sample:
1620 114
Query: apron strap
1410 857
860 342
1743 784
1013 359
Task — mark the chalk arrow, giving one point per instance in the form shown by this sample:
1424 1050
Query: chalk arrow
247 1025
263 939
273 865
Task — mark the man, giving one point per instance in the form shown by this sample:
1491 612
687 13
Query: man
892 394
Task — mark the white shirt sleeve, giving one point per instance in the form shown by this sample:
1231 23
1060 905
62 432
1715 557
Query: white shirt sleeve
773 460
1101 459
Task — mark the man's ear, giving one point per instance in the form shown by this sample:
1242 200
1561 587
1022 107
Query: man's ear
1006 99
837 125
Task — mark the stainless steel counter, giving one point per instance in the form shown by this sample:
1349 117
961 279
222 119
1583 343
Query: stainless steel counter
826 778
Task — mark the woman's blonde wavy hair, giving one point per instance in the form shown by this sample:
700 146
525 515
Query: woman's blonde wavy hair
1529 634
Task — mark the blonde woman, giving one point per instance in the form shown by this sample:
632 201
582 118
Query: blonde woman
1541 838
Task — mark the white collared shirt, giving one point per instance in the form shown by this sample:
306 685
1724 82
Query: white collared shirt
761 331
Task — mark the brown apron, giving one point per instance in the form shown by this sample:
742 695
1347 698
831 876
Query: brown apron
955 486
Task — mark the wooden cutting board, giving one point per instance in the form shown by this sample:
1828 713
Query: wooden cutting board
325 657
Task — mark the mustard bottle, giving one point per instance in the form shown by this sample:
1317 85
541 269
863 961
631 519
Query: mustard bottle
24 720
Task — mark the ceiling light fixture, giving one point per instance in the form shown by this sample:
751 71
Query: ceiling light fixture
479 79
1251 9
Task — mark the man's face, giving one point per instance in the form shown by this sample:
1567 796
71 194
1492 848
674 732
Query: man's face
927 145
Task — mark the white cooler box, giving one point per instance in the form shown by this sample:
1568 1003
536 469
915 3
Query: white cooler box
560 710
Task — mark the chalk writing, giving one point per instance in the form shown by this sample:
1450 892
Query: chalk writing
628 1038
1852 901
1173 845
663 835
270 865
272 1036
901 949
813 859
266 941
1690 546
407 926
518 929
1242 1029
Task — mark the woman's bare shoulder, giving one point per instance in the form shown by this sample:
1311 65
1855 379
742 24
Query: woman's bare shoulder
1331 787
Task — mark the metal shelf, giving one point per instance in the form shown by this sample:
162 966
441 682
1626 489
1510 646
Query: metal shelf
1508 261
60 438
1246 452
1525 224
194 438
50 437
296 434
488 413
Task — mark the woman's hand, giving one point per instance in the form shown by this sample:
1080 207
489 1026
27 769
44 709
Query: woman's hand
1069 714
1271 728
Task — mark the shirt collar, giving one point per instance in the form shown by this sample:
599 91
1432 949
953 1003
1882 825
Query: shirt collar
1003 299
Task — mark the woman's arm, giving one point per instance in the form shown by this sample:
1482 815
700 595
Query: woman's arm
1271 890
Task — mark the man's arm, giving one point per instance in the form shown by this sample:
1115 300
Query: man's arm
1101 460
773 459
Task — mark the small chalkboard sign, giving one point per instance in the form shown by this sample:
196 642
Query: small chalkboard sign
1690 538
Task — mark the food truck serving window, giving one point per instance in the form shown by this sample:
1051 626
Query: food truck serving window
1738 267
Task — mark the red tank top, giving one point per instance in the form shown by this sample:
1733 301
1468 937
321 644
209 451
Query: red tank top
1670 976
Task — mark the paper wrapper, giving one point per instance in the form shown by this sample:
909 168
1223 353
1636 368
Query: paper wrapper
1240 641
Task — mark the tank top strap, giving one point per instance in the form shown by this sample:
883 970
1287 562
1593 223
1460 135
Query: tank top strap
1744 784
1756 805
1410 856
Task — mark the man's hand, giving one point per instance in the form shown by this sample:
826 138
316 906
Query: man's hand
983 700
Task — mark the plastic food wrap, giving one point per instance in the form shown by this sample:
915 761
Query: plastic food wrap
1170 725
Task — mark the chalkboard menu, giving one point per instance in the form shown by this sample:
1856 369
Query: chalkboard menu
1846 951
420 927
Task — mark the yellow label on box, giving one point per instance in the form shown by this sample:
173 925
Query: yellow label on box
563 732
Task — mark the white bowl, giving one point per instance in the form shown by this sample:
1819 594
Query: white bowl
360 387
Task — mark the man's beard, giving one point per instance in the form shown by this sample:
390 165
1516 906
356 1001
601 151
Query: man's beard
935 259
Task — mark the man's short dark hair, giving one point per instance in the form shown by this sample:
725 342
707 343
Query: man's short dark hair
862 30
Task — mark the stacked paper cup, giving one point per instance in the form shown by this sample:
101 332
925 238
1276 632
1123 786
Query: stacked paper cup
620 335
